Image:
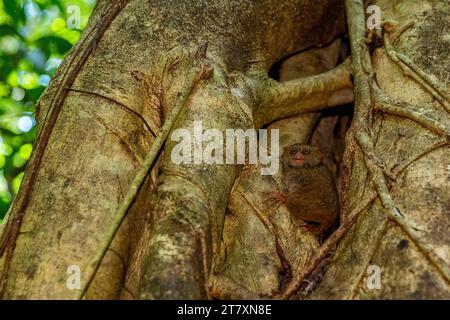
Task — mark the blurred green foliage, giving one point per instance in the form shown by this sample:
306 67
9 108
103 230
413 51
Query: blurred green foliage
34 37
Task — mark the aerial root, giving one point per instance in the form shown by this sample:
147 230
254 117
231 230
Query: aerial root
278 100
415 72
116 102
385 104
381 187
380 102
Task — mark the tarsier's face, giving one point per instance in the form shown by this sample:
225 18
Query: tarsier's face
302 156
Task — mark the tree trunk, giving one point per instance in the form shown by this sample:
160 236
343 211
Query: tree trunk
102 195
402 125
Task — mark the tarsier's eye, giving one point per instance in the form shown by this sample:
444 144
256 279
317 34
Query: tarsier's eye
306 150
293 151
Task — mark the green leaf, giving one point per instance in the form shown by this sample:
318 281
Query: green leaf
6 29
6 66
34 94
58 4
50 44
12 8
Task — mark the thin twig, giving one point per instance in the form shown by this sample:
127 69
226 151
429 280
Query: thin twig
405 110
400 30
122 105
417 74
415 115
441 142
436 85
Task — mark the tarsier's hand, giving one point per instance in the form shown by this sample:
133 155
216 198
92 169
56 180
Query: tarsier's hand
276 198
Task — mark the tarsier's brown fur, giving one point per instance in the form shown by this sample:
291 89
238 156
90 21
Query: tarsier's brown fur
311 192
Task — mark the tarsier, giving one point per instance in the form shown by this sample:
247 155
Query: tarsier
311 193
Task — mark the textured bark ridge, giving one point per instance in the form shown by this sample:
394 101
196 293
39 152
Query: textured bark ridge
101 192
396 158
